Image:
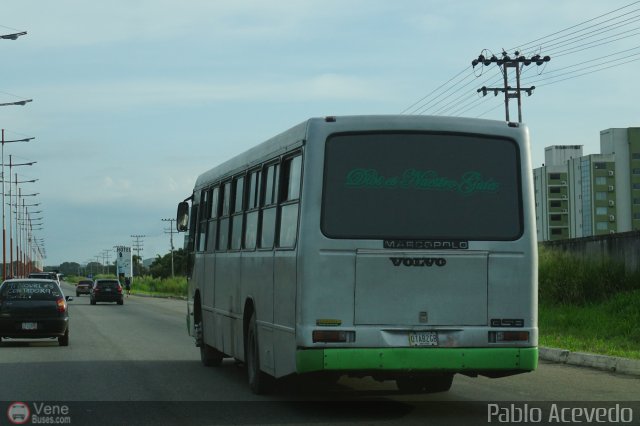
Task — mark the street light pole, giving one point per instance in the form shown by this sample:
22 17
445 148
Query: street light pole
11 164
12 36
19 209
27 227
10 210
4 229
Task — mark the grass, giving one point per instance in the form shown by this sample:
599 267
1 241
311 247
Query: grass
160 287
588 305
566 279
607 328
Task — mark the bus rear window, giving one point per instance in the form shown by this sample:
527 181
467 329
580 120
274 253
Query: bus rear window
421 186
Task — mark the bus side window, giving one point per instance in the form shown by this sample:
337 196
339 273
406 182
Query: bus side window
289 201
205 210
237 212
213 222
223 230
269 206
253 210
190 239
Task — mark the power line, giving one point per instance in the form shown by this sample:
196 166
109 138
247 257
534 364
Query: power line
574 26
433 91
446 98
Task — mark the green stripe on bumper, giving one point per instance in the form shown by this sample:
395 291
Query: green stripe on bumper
399 359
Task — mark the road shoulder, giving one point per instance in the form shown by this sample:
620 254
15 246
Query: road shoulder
600 362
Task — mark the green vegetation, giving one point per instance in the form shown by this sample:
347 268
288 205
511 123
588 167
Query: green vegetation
588 306
567 279
162 287
608 328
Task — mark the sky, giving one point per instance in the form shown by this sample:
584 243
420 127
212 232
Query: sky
132 100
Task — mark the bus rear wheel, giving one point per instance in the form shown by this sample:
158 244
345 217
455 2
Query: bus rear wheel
426 384
258 381
210 356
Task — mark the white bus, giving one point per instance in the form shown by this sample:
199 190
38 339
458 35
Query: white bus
397 247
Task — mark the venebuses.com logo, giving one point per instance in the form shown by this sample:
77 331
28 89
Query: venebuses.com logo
18 413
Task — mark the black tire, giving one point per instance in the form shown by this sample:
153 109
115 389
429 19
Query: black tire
120 302
259 382
64 340
313 383
93 302
77 294
439 383
410 384
426 384
210 356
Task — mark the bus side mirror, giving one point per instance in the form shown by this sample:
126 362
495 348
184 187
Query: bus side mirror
182 219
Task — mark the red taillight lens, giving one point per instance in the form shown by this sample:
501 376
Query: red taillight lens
62 304
508 336
333 336
119 289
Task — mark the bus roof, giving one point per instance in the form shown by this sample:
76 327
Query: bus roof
288 139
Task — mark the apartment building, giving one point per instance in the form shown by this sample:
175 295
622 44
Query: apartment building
583 195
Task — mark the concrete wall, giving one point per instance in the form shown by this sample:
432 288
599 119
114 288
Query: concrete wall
623 247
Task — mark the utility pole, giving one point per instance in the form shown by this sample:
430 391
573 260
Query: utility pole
107 254
506 62
137 246
170 231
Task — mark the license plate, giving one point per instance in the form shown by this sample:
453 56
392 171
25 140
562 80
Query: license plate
29 325
108 290
423 338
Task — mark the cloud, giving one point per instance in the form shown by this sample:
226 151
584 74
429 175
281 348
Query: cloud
120 21
171 92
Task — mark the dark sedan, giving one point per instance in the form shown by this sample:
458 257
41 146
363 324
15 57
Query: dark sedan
84 287
34 309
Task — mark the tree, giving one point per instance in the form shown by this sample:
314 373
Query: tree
69 268
161 266
93 268
138 267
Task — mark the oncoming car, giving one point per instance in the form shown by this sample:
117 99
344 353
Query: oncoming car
34 309
106 290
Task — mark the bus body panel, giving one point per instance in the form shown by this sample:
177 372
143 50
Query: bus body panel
412 288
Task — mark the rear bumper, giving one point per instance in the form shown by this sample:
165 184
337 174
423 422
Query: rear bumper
46 328
108 298
457 360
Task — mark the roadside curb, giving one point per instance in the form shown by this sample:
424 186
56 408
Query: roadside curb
156 296
601 362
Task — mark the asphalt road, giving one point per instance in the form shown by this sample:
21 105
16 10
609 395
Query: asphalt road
135 364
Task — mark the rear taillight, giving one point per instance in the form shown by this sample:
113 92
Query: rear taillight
508 336
119 289
62 304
